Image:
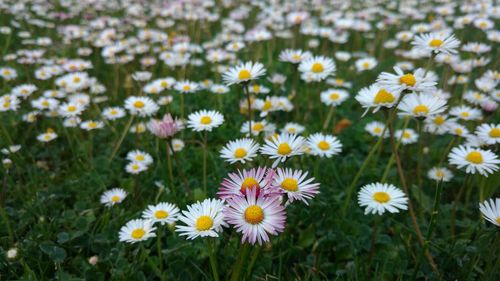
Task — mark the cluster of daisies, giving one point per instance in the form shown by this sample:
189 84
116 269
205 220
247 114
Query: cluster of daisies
253 201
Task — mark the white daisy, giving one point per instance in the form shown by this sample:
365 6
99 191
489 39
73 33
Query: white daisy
466 112
91 125
204 120
243 73
489 133
113 196
257 127
324 145
202 219
437 42
379 197
294 56
334 97
135 168
491 210
141 106
317 68
283 146
162 212
137 230
407 136
295 184
140 157
49 135
417 81
376 129
421 105
474 160
440 174
240 150
376 97
113 113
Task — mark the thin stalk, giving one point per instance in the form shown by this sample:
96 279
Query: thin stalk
158 247
253 259
169 167
328 117
205 152
213 260
239 262
124 133
249 105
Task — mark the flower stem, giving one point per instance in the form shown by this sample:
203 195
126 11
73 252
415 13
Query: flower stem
249 104
169 167
328 117
124 133
205 152
239 262
213 260
253 259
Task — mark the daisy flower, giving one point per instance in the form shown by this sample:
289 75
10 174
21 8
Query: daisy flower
421 105
136 231
324 145
440 174
91 125
140 157
113 196
438 124
240 150
376 129
243 73
162 212
474 160
334 97
237 184
407 136
202 219
365 64
489 133
113 113
257 127
317 68
166 127
177 145
381 197
186 87
465 112
491 210
295 185
437 42
71 109
141 106
205 120
293 128
283 146
376 97
49 135
256 217
417 81
294 56
135 168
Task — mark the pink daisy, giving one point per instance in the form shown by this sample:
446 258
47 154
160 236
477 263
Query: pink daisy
295 184
256 216
237 184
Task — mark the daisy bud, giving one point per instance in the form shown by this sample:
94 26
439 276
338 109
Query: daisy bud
93 260
489 106
164 128
12 253
7 163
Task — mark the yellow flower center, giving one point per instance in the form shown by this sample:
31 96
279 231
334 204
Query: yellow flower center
249 183
267 105
421 109
439 174
406 135
244 75
377 130
258 127
205 120
160 214
464 114
334 96
498 220
439 120
323 145
290 184
115 198
256 88
254 214
474 157
296 57
71 108
164 84
186 88
139 157
139 104
495 133
381 197
436 43
459 131
366 65
284 149
77 79
240 153
408 79
317 67
204 223
45 103
138 233
383 96
92 124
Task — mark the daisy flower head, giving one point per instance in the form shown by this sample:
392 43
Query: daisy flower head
294 56
256 217
240 150
293 128
491 210
204 120
421 105
186 87
48 136
407 136
141 106
257 127
324 145
440 174
135 168
140 157
376 97
418 81
489 133
113 196
244 72
438 124
283 146
376 129
474 160
166 127
237 184
137 230
334 97
91 125
380 197
296 185
202 219
70 109
466 113
365 64
317 68
437 42
162 212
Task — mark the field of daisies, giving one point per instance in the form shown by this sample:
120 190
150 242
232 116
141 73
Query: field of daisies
249 140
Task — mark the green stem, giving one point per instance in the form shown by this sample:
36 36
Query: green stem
235 276
205 152
328 117
213 261
124 133
249 104
253 259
